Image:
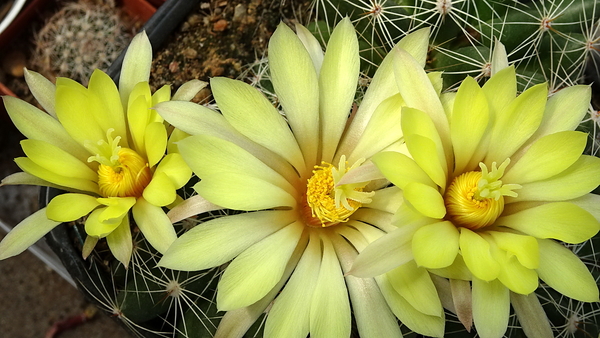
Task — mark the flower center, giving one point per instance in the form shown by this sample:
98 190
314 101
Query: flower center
122 171
475 199
327 202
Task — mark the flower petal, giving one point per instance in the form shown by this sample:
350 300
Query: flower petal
548 156
42 89
516 123
560 220
103 87
28 179
74 183
56 160
565 272
120 242
312 45
435 245
415 286
252 274
138 119
524 248
192 206
423 150
69 207
26 233
188 90
431 326
116 208
290 314
155 140
475 250
579 179
401 169
531 315
97 228
175 168
154 224
217 241
330 307
136 65
160 191
491 308
468 122
425 199
248 111
296 85
575 100
337 85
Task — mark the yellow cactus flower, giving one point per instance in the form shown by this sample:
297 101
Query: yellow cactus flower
313 198
491 181
107 148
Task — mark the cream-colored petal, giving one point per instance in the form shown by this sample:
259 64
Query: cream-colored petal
160 191
42 89
192 206
499 58
56 160
531 315
516 123
337 85
74 183
120 242
248 111
296 84
548 156
560 220
208 155
28 179
136 65
290 314
188 90
565 272
435 245
401 169
475 251
252 274
312 45
26 233
415 286
330 314
491 308
431 326
103 87
154 224
155 141
37 125
579 179
69 207
469 121
387 199
217 241
425 199
382 130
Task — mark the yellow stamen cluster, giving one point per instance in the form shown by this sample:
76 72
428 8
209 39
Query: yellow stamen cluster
475 199
330 203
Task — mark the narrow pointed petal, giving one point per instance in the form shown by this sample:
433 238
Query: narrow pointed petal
120 242
155 140
475 250
102 86
462 300
415 286
252 274
74 183
26 233
69 207
42 89
531 315
330 307
56 160
154 224
560 220
337 85
138 119
192 206
565 272
312 45
248 111
431 326
425 199
517 123
575 100
220 240
499 58
290 314
28 179
364 173
579 179
188 90
136 65
382 130
401 169
468 122
435 245
548 156
491 307
296 84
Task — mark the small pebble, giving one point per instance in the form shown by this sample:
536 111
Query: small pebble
174 67
220 25
190 53
239 13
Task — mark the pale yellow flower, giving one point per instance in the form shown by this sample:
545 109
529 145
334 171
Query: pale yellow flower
107 148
